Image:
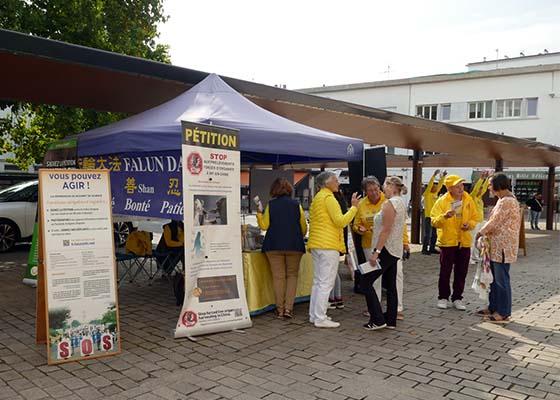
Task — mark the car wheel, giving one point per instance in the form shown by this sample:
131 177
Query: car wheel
122 230
9 235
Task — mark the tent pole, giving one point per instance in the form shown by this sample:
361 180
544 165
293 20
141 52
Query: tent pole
416 196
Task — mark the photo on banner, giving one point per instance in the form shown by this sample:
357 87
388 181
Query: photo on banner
81 307
215 298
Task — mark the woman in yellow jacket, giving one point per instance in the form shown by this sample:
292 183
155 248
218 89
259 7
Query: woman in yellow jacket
454 216
477 192
326 240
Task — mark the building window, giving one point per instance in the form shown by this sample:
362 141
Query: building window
445 112
480 110
428 111
532 107
508 108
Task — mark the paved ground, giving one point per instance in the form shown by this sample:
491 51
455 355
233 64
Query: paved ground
433 354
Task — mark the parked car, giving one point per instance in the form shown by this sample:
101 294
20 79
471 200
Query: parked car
18 211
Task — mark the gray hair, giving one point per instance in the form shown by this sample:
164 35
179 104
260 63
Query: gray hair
323 177
370 180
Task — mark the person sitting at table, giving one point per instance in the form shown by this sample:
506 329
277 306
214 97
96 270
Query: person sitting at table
285 225
171 246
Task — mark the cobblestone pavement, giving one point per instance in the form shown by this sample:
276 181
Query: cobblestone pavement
433 354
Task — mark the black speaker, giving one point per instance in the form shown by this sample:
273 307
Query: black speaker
376 163
355 173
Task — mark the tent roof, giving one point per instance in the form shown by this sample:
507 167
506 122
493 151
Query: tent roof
264 136
46 71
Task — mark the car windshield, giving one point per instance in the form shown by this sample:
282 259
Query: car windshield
25 191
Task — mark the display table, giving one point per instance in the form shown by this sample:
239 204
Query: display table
258 282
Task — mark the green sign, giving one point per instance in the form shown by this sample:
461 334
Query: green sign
30 277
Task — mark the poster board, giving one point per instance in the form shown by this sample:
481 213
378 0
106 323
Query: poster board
215 298
78 270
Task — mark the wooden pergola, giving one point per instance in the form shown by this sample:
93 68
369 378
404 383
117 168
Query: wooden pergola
40 70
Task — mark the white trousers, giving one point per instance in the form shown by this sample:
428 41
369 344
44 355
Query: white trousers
377 283
325 267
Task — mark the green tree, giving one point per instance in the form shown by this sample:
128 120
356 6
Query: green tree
121 26
75 323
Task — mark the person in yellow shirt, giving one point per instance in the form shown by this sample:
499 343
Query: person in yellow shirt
368 207
326 240
477 192
454 216
430 196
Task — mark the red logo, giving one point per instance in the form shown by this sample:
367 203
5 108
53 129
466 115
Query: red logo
189 318
194 163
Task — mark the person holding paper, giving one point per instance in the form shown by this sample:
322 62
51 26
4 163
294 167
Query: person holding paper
478 190
502 231
388 226
285 226
368 207
454 216
430 197
326 240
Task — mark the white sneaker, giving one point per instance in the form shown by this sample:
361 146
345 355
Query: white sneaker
326 323
442 303
312 321
458 304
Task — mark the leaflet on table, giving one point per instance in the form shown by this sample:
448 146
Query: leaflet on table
80 270
214 289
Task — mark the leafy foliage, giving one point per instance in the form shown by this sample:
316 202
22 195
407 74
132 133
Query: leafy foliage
122 26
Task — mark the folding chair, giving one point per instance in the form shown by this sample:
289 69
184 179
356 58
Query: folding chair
138 253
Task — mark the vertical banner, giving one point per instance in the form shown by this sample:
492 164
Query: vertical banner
214 290
79 264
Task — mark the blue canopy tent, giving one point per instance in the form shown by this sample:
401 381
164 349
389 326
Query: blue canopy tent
264 136
143 151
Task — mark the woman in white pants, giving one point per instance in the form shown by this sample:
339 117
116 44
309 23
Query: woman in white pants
326 240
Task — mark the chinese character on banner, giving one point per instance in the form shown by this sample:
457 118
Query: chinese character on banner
130 185
114 163
174 187
101 163
88 163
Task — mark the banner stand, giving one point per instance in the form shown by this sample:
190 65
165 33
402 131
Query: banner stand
215 299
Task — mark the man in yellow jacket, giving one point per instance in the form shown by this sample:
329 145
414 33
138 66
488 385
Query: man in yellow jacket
430 197
326 240
454 216
477 192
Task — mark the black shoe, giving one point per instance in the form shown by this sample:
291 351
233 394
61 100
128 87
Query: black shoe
426 252
434 251
370 326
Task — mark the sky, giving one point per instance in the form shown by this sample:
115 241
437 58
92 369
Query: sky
310 43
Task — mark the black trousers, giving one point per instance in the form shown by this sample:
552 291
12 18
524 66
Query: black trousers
389 275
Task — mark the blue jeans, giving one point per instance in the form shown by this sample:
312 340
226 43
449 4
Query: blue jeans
500 289
430 236
535 215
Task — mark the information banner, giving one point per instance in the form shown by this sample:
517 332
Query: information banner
214 290
146 185
79 261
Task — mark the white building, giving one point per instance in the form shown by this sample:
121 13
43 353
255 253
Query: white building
517 97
